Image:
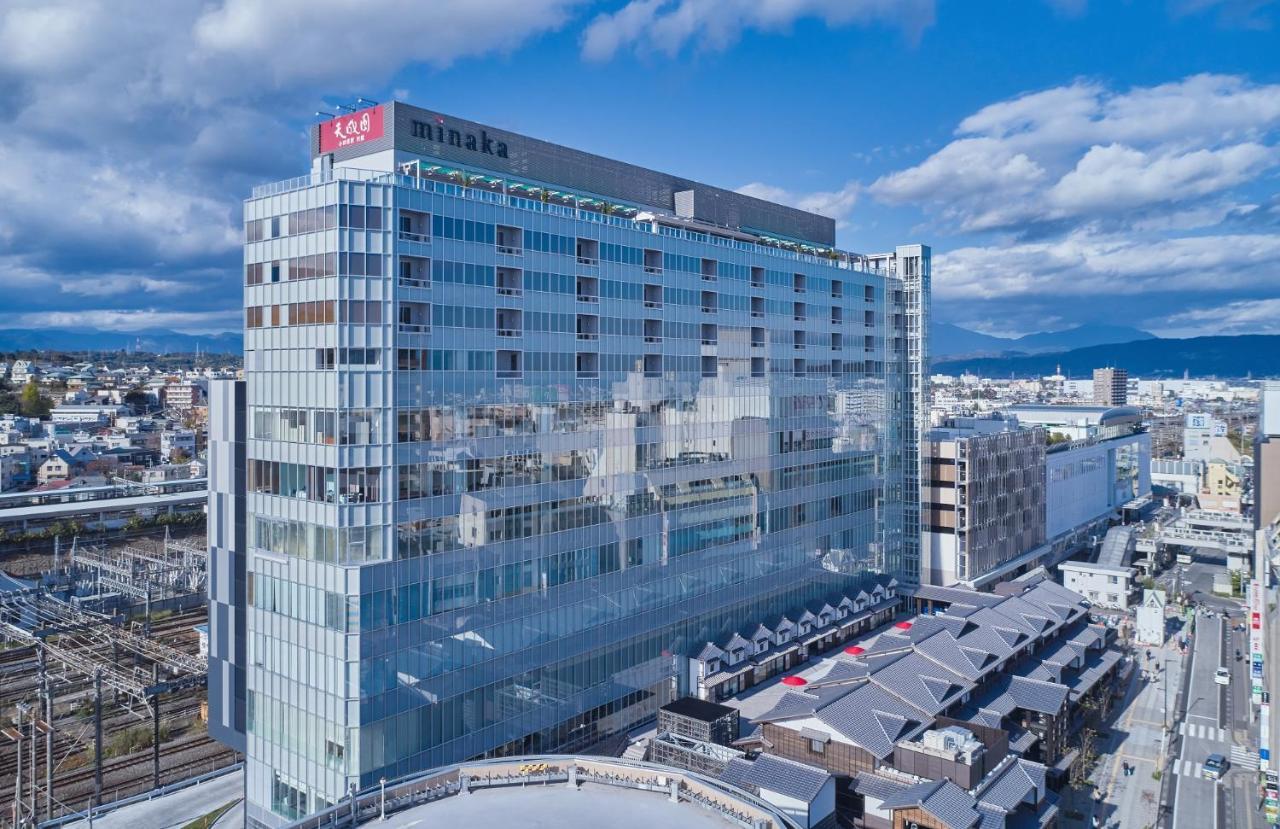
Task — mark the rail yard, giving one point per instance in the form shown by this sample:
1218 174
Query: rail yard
102 678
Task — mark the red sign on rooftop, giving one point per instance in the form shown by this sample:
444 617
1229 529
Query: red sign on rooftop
349 130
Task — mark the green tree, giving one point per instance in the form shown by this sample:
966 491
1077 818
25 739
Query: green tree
31 403
137 399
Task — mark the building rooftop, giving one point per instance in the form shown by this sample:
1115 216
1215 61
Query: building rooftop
564 792
457 142
698 709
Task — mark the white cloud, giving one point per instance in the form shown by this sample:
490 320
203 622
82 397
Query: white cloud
1085 264
103 285
1254 316
668 26
175 111
835 204
335 41
1116 177
132 320
1081 152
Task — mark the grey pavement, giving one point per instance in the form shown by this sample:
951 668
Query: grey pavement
175 809
1137 739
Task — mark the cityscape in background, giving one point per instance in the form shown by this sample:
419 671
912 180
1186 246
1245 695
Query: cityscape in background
501 479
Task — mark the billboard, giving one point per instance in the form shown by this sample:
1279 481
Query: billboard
349 130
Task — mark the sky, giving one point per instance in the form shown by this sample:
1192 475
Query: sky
1069 161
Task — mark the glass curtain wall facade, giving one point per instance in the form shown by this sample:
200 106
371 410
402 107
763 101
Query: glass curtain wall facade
508 461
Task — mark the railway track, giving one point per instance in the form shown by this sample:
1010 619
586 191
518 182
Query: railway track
187 751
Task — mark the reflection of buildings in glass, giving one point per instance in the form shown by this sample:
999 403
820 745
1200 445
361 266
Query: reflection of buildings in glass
586 440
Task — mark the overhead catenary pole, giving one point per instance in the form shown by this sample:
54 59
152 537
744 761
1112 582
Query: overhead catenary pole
97 737
31 799
48 738
155 729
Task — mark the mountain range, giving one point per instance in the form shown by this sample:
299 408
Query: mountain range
155 340
1256 355
948 340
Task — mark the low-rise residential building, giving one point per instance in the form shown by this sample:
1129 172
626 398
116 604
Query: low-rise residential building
184 396
92 414
177 445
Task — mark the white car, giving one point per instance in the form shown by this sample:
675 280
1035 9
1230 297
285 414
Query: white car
1222 676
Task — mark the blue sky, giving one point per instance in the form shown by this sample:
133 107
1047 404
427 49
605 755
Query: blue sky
1070 161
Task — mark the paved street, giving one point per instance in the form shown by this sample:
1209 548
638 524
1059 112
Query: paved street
1196 803
1217 720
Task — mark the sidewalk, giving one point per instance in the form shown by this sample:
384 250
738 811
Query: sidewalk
1137 740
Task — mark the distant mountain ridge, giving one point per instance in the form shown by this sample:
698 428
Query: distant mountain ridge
155 340
951 340
1256 355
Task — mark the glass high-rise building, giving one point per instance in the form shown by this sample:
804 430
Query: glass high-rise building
521 427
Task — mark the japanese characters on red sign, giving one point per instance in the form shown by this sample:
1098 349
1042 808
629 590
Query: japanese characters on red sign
349 130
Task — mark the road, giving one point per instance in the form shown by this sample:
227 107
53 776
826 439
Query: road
1216 721
176 809
1196 805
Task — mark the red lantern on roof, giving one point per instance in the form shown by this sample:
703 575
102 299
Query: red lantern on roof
903 626
794 681
855 650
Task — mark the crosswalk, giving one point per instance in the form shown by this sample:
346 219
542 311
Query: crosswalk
1243 758
1204 732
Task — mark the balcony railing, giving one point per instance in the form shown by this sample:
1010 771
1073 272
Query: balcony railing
507 250
414 328
407 236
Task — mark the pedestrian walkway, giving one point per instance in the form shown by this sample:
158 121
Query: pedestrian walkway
1244 758
1204 732
1186 768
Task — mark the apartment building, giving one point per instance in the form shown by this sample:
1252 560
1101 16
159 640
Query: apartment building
522 428
1110 386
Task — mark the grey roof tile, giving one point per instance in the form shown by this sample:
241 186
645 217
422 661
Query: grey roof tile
869 784
922 682
1022 782
873 719
776 774
1037 695
951 805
